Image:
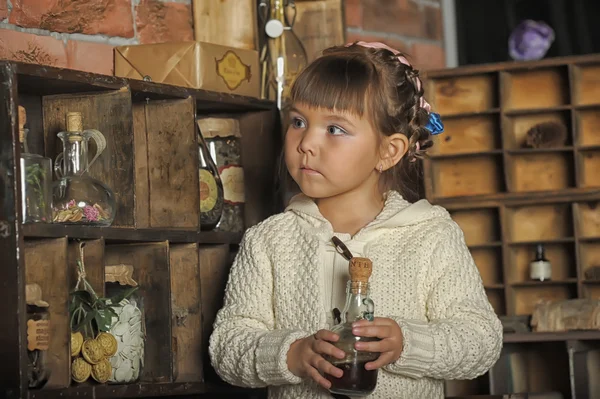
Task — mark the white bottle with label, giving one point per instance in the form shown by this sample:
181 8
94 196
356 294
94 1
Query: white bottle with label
540 268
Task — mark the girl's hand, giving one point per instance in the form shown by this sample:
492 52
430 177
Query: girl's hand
304 359
390 345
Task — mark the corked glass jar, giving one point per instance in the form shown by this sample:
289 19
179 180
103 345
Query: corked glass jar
38 337
356 380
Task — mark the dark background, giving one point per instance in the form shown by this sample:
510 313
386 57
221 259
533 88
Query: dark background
484 26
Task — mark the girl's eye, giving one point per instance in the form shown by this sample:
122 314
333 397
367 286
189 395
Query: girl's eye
298 123
335 130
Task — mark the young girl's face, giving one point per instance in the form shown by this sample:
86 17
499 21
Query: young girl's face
331 153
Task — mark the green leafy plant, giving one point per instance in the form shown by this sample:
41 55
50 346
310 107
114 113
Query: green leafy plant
35 175
89 313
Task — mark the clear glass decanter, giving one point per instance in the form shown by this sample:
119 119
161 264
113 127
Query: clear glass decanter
36 180
285 55
356 380
78 198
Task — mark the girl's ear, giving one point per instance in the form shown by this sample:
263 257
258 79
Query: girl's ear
393 149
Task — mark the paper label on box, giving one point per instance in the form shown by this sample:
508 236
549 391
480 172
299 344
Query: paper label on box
38 334
232 177
232 70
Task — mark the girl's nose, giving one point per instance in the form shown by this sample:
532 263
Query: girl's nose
309 142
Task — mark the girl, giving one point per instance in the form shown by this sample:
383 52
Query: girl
358 120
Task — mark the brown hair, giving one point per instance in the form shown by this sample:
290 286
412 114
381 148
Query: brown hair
373 83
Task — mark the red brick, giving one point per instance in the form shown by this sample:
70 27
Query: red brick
90 57
3 9
33 49
432 23
403 17
108 17
354 12
393 43
428 56
163 22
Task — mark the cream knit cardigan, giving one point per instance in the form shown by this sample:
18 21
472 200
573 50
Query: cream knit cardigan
423 277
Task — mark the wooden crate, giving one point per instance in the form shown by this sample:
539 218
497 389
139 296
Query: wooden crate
508 196
319 25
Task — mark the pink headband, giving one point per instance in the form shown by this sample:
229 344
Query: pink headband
423 103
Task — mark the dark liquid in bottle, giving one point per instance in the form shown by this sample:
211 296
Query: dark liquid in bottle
356 381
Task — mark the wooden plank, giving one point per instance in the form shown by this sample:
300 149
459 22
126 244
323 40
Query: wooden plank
151 271
131 235
523 91
186 316
320 25
93 252
230 23
458 95
469 135
142 184
541 172
46 265
214 271
110 113
173 171
13 368
261 144
473 175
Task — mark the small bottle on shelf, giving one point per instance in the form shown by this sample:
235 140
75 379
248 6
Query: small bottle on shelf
540 268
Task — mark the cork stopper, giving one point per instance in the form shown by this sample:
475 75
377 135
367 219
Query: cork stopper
33 296
74 122
22 122
360 271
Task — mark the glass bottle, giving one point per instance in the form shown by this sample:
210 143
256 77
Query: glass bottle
223 138
356 380
540 268
285 55
36 180
211 187
38 337
78 198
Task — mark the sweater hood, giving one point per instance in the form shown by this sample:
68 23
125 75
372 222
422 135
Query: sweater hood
396 212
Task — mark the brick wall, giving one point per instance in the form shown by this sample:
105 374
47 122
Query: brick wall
412 26
81 34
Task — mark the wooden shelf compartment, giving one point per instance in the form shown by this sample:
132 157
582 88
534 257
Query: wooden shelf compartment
587 127
515 128
460 388
497 300
586 88
526 297
537 88
480 226
591 290
538 223
464 94
540 171
561 256
589 254
470 176
489 264
587 219
534 367
472 134
588 162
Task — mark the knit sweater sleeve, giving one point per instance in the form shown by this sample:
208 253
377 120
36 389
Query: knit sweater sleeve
245 348
462 337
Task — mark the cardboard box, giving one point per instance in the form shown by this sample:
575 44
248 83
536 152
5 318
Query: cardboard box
197 65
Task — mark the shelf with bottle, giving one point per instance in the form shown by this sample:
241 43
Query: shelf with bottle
541 264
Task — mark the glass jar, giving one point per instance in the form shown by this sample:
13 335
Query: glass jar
211 187
128 327
223 139
38 337
36 180
356 380
78 198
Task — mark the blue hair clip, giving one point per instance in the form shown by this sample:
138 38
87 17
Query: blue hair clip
435 125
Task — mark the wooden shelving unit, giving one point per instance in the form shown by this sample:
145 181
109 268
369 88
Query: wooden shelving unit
182 270
507 197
